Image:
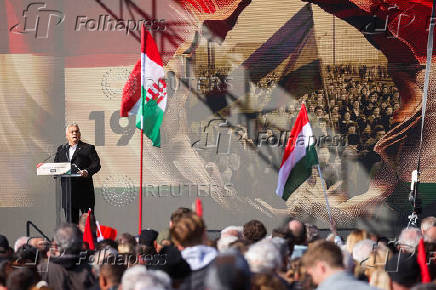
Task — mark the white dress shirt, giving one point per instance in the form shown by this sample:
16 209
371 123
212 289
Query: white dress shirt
72 149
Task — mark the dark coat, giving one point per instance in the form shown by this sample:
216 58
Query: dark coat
82 188
67 272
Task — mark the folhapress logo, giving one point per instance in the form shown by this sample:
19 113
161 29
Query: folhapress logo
37 19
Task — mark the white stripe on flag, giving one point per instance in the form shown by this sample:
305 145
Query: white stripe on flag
296 155
151 72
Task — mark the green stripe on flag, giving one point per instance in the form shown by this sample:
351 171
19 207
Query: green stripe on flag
301 171
153 116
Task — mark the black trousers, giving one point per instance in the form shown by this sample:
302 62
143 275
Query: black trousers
77 212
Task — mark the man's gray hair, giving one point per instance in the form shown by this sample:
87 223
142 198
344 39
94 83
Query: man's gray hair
68 238
263 257
230 230
409 239
73 124
138 278
427 223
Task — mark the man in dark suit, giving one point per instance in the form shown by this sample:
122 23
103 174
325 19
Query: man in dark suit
85 161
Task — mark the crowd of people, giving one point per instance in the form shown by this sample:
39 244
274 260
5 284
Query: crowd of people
357 103
247 257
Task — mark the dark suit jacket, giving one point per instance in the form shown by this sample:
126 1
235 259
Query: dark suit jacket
82 188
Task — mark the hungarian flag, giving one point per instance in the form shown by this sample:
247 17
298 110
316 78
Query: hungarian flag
148 103
299 157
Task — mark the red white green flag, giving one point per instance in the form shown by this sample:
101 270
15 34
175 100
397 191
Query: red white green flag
299 157
148 106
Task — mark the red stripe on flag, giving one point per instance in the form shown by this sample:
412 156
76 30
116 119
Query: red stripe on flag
300 122
131 90
150 47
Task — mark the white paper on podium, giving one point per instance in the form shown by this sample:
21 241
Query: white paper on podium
53 168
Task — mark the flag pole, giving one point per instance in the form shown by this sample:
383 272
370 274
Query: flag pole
142 132
140 177
332 222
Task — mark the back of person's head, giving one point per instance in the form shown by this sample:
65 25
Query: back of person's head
287 235
254 231
137 277
107 243
323 251
264 257
353 238
363 249
131 276
188 231
126 244
403 269
26 254
68 239
409 239
111 275
179 213
107 255
312 233
299 231
428 226
235 231
21 279
229 271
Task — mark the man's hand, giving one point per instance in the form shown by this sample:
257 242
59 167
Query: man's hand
83 173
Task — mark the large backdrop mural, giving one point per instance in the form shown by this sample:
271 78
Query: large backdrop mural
237 74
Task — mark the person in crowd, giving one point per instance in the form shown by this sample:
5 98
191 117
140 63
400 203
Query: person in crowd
229 235
189 236
254 231
21 241
229 271
170 261
67 268
353 238
111 275
403 270
5 250
409 239
427 223
138 277
265 260
323 261
126 244
22 279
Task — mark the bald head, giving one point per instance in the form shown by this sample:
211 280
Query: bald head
298 230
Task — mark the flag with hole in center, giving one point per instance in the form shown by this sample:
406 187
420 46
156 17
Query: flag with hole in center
148 103
299 157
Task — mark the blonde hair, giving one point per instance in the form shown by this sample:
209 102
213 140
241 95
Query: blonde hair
353 238
380 279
